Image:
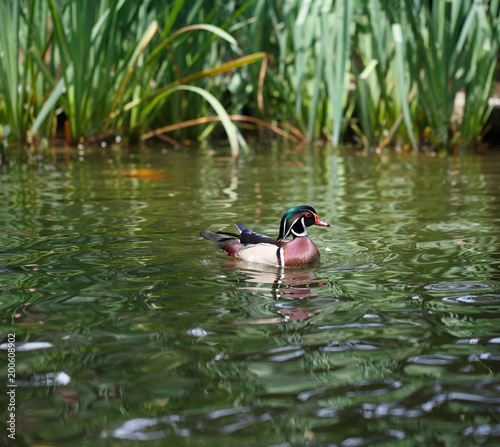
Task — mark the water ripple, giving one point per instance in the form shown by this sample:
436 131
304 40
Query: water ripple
448 286
348 345
289 352
482 433
133 328
478 300
29 346
365 388
50 379
350 325
141 429
433 359
415 405
224 421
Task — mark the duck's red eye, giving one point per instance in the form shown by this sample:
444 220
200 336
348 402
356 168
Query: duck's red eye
308 214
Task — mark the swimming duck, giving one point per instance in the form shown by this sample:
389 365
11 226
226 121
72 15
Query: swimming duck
255 247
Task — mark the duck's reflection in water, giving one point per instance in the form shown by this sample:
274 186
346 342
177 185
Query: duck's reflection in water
292 291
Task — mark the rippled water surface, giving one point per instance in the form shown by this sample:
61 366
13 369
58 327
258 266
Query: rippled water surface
132 330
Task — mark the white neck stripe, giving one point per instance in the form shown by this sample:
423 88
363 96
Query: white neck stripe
301 234
304 229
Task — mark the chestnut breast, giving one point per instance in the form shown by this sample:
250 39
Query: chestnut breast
300 251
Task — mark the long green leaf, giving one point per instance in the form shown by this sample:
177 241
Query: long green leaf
235 140
364 95
48 106
148 34
240 62
403 89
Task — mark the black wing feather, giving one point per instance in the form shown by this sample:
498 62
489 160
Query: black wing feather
248 236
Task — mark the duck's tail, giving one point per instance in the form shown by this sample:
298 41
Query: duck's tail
222 239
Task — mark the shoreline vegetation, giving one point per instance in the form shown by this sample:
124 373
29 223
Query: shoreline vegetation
412 74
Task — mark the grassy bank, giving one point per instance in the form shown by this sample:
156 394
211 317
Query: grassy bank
379 72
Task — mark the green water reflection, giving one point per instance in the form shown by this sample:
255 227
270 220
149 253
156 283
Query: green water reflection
132 330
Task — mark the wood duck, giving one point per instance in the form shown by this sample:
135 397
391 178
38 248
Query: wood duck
254 247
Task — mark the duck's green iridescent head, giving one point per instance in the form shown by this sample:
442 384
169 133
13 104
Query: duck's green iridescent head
296 220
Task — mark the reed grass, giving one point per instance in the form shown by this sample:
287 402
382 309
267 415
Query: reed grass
114 65
313 49
449 47
24 30
12 37
133 68
482 58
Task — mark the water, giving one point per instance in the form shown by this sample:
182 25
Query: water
132 330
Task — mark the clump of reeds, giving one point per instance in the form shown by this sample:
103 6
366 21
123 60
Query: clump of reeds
389 70
110 67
